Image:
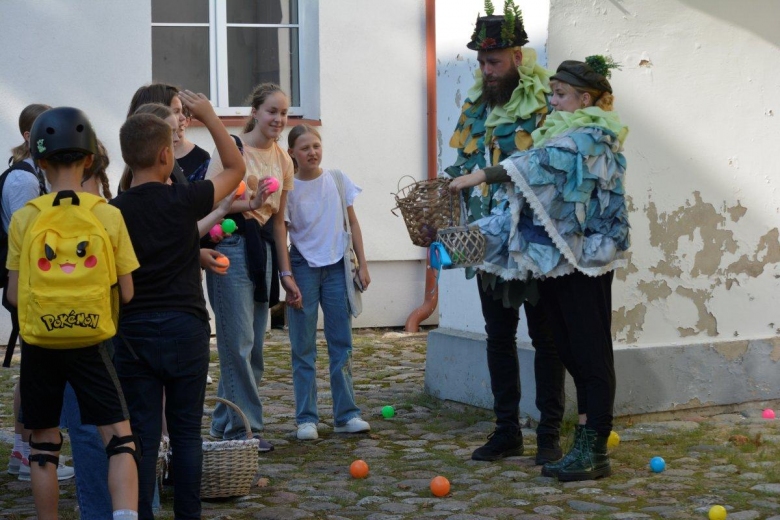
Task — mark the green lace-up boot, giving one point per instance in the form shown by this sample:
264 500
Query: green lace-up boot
592 461
551 469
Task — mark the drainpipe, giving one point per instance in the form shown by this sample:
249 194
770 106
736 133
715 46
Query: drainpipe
431 290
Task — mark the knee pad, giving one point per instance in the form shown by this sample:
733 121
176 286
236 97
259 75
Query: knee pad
117 445
43 458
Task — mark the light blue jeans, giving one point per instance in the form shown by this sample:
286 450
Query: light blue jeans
325 286
89 460
241 324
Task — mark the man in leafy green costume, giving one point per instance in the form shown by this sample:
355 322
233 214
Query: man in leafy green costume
508 101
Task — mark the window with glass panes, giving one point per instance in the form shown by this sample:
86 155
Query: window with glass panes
224 48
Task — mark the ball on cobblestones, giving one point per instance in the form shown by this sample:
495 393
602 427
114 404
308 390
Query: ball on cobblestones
768 414
717 513
358 469
614 440
657 464
440 486
388 411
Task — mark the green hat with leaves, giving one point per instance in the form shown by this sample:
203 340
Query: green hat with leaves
591 73
498 31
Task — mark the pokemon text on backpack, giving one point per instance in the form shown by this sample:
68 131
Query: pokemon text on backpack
66 274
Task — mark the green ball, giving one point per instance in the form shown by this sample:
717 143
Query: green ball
388 411
229 226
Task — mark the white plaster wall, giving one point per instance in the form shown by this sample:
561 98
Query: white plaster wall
458 298
702 99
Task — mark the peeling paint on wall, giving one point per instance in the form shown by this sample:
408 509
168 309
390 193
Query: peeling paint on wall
731 350
707 322
655 290
628 323
622 274
667 229
775 354
737 212
767 252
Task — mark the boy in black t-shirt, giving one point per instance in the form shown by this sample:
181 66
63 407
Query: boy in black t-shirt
163 344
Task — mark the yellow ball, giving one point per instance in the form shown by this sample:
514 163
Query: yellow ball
614 440
717 513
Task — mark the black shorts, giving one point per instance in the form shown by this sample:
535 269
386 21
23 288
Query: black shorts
89 370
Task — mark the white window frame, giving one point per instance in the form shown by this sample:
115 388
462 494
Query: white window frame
308 58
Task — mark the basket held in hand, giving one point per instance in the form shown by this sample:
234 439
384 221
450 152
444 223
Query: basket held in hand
426 206
465 245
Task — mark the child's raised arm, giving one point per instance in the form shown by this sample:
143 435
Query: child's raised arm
229 178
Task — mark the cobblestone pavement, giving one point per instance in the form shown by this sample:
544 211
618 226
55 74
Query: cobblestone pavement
730 459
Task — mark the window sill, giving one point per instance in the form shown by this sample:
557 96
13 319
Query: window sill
238 121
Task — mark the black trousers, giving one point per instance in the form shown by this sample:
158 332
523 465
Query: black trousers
579 308
504 367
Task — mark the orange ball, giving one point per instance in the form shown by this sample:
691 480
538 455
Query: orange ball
440 486
223 263
358 469
241 189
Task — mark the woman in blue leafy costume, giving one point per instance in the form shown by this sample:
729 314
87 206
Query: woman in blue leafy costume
559 213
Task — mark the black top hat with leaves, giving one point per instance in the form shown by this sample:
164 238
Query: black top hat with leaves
499 31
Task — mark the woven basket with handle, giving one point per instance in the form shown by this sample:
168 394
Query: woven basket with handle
426 206
229 467
465 245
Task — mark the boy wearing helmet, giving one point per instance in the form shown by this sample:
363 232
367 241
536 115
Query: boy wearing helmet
63 142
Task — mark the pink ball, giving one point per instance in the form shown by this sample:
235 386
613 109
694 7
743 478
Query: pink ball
768 414
216 232
272 184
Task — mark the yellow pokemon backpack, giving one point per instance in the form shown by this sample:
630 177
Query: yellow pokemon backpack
67 274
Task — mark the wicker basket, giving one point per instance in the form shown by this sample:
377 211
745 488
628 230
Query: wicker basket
425 207
229 467
465 245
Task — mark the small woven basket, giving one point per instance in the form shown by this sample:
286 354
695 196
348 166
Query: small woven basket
425 207
465 245
229 467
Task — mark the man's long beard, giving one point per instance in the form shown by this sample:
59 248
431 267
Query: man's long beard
500 93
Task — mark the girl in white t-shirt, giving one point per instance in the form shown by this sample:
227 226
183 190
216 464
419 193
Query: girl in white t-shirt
315 223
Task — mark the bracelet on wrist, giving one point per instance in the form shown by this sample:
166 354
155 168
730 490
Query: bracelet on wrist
282 274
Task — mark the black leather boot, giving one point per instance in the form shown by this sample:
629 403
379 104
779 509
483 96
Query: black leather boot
501 443
592 461
548 449
551 469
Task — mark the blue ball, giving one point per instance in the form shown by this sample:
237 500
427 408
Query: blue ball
657 464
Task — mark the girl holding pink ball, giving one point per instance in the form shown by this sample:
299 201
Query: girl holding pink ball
241 297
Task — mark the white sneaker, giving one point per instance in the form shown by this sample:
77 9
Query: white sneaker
209 381
354 425
63 472
15 462
307 432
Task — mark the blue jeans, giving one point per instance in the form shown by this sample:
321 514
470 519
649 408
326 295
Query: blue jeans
90 461
325 286
241 324
170 351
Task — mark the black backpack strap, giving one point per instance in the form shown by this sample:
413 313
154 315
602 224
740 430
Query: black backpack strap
239 143
14 336
177 175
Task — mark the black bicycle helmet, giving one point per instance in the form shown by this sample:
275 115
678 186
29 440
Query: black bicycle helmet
62 129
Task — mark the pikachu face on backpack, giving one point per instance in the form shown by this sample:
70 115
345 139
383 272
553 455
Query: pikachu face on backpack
66 274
